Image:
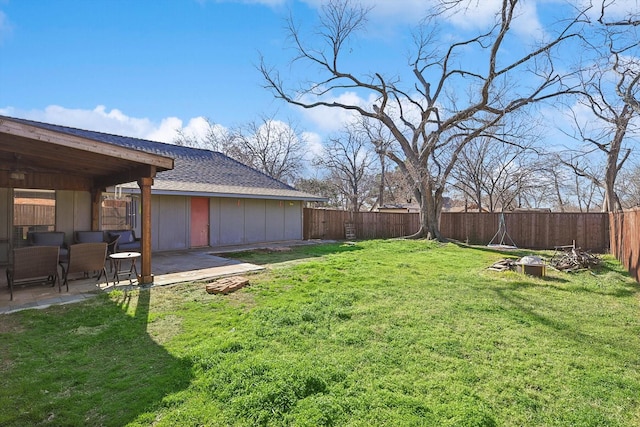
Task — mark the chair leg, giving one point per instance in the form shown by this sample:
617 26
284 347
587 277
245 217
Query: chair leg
65 279
60 283
10 283
106 277
100 273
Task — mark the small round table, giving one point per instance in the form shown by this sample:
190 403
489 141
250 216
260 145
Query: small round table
117 259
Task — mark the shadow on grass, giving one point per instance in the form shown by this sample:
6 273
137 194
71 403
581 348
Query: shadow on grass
531 309
267 256
91 363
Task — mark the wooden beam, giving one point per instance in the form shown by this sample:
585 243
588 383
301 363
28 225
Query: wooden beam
131 175
46 181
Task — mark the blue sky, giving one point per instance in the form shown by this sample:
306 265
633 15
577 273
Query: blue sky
150 60
144 68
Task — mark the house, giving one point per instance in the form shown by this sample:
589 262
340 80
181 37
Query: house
203 198
400 208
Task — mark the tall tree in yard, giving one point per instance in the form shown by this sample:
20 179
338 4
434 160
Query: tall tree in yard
350 166
501 175
610 92
456 91
623 43
271 146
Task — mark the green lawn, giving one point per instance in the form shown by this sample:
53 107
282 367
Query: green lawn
379 333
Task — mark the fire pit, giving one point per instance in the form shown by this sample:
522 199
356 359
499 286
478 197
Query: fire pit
533 265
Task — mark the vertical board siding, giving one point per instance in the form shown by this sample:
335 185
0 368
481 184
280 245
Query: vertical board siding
625 239
534 230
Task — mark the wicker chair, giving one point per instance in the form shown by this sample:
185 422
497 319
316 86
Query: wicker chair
96 237
34 264
86 257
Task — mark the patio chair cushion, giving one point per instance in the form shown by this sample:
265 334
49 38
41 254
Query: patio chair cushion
127 240
49 238
89 237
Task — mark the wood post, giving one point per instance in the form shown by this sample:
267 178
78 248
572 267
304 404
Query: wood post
96 199
146 277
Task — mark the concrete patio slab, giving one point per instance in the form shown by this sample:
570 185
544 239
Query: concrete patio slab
172 267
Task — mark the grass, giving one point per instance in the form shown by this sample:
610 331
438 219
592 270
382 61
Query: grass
395 333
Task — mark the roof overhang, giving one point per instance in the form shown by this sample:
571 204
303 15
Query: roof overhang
177 188
35 157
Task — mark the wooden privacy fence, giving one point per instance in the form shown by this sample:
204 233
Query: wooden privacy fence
330 224
625 239
534 230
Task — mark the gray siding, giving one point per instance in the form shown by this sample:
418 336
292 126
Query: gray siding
214 222
231 222
275 219
293 220
241 221
170 223
255 224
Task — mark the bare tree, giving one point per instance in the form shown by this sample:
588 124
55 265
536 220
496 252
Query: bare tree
622 41
350 166
379 136
557 181
496 176
608 96
610 92
215 138
629 187
271 146
321 187
578 179
453 99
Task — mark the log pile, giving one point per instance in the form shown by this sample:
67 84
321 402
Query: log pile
226 285
504 264
574 259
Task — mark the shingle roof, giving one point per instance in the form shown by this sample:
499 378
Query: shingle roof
195 170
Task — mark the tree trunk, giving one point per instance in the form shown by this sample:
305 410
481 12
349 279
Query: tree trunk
381 189
430 208
611 202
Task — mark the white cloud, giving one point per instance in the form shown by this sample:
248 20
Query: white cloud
527 22
331 119
615 10
113 122
166 131
314 145
470 14
387 10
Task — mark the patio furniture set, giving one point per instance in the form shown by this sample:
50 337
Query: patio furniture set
38 262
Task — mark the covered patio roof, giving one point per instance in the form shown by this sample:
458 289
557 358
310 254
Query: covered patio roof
37 157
